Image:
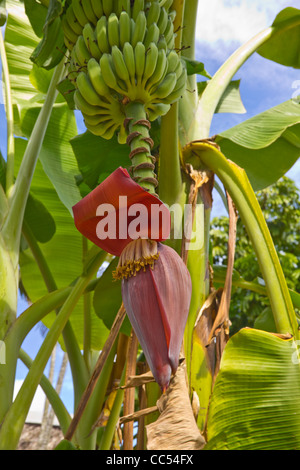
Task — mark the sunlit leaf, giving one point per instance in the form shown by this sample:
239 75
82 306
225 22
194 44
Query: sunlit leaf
255 402
231 101
267 145
97 158
284 46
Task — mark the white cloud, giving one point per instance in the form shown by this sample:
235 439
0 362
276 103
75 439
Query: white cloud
236 20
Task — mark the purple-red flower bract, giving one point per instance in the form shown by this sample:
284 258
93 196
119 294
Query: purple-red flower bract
157 301
104 203
156 284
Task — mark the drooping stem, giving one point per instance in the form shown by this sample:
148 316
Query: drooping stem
237 184
140 142
9 119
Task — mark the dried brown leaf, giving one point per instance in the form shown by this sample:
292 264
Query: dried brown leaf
175 428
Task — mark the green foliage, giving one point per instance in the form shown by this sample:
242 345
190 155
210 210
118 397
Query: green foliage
280 204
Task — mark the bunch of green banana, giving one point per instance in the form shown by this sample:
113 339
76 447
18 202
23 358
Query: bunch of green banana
81 12
121 53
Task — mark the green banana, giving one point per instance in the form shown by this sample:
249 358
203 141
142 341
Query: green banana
75 59
140 56
68 31
162 43
153 14
162 21
107 7
84 106
150 62
122 5
97 119
87 90
79 12
172 15
101 35
179 69
128 54
124 28
108 73
113 30
169 32
157 109
72 20
94 72
82 52
90 41
166 4
97 8
119 64
166 87
139 30
178 90
160 70
106 133
89 12
152 35
173 60
138 6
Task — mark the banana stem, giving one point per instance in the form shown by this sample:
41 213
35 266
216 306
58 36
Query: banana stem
140 142
170 189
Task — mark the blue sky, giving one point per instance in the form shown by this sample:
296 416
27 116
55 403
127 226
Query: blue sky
222 26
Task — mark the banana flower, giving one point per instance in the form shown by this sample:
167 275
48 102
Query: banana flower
127 221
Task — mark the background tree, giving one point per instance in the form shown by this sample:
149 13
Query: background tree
280 204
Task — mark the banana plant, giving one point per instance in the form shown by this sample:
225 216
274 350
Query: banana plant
107 232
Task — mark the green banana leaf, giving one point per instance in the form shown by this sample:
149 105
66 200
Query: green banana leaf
231 101
28 87
20 41
97 157
39 219
36 13
255 403
267 145
284 47
63 254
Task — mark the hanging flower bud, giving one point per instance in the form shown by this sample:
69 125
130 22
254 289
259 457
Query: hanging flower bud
156 291
156 284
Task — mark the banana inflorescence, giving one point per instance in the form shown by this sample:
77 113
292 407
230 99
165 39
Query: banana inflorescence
121 52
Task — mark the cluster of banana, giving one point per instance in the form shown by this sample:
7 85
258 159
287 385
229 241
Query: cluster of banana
120 53
81 12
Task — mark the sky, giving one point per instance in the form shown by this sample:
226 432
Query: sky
222 26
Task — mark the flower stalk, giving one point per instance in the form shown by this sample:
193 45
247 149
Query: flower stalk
140 142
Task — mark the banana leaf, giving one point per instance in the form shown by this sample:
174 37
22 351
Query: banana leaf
255 401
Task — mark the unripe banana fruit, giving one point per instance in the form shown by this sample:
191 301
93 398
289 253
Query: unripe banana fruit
121 51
